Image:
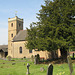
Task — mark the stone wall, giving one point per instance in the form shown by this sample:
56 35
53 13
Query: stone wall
15 52
25 52
44 54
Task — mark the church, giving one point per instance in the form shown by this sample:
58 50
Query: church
17 41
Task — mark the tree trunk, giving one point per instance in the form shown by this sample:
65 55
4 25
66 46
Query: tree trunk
63 55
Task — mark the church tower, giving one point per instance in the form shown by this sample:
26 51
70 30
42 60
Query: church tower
14 26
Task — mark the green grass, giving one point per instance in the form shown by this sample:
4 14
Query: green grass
6 68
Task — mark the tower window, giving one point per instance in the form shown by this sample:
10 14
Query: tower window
20 49
11 24
19 24
11 35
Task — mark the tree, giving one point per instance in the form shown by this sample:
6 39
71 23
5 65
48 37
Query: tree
55 28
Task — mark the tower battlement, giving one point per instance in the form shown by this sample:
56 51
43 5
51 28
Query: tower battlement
15 18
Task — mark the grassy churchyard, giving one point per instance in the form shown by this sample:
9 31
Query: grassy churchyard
18 67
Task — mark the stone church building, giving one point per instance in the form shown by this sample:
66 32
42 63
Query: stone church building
17 41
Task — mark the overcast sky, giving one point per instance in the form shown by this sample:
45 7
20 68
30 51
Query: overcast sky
26 9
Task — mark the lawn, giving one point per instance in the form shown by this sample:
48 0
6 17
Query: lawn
18 67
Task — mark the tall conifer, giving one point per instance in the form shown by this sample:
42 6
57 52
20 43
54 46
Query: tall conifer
55 28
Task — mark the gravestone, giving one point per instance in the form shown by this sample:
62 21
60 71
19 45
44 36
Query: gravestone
42 69
13 63
38 58
35 59
73 55
70 64
28 69
3 63
24 63
32 58
9 58
50 70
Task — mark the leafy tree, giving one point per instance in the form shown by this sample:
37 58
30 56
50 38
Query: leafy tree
55 28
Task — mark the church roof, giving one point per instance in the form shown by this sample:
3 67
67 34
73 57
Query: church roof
4 48
20 36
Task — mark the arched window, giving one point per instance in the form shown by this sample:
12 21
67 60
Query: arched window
11 24
11 35
20 49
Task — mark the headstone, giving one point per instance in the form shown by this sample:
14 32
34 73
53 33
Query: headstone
70 64
50 70
32 58
42 69
28 69
9 58
38 58
1 67
3 63
35 60
24 63
73 55
21 58
13 63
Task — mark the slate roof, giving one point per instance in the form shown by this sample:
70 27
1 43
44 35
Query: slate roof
4 48
20 36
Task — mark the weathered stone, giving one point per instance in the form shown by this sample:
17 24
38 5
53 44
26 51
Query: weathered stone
24 64
35 60
28 69
73 55
9 58
3 63
32 58
42 69
50 70
1 66
38 58
70 64
13 63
